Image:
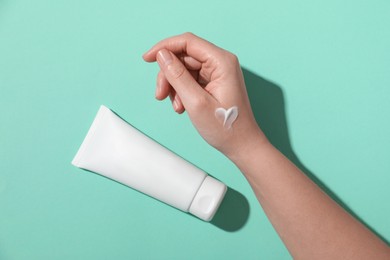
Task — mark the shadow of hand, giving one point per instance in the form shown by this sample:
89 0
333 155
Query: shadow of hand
268 107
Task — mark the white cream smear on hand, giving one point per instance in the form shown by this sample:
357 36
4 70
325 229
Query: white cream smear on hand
227 116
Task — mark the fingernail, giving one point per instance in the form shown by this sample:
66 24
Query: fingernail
165 56
175 105
158 87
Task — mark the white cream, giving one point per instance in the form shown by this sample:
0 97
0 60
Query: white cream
115 149
227 116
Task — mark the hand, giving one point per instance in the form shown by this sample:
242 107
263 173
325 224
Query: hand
200 77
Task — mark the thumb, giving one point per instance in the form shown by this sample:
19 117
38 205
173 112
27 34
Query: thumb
179 77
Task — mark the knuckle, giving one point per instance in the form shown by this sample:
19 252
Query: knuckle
176 71
233 58
188 34
200 102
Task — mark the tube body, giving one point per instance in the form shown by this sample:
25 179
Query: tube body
117 150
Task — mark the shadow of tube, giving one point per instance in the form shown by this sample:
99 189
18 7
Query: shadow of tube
233 212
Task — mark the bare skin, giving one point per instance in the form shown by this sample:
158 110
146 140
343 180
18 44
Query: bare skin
199 77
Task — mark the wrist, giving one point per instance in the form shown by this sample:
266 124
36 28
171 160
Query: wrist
246 145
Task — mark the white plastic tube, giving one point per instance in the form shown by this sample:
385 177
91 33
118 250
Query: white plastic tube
117 150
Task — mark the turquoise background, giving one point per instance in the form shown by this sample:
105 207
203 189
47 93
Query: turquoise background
318 73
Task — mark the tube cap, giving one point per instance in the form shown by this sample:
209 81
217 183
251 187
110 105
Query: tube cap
208 198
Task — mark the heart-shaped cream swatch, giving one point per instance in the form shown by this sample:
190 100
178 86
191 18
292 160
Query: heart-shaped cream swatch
227 116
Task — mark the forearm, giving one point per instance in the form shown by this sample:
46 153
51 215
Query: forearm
308 221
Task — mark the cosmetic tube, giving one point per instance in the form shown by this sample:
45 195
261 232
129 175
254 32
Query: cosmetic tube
115 149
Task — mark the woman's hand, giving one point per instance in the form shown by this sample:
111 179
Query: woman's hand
200 77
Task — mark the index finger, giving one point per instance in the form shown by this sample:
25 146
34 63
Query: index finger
186 43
